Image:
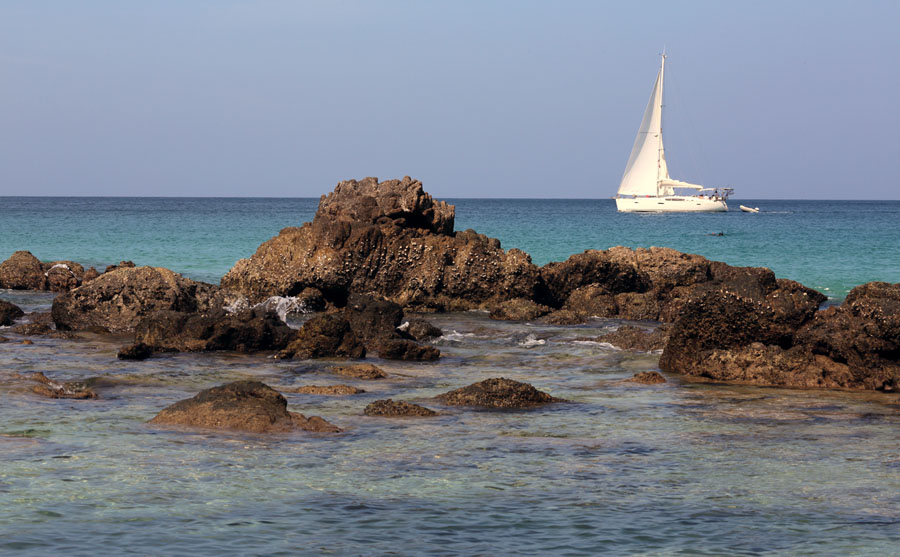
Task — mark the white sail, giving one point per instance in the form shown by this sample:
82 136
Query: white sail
647 164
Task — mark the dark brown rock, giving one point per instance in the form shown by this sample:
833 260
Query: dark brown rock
373 318
565 317
120 265
62 276
90 275
402 349
328 390
120 299
397 408
629 337
3 339
9 312
31 329
251 330
136 351
420 329
22 271
593 300
325 336
243 406
497 393
360 371
647 378
518 309
390 239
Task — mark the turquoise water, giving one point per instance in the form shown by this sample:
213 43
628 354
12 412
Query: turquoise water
681 468
829 245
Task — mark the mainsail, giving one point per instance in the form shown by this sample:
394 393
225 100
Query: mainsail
647 163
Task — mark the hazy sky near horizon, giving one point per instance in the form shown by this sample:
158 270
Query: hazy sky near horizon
477 99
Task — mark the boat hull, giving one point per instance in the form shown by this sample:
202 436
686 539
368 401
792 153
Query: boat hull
670 204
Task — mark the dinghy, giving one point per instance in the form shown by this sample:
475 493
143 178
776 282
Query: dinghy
749 209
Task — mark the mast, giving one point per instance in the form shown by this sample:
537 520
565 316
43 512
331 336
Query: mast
659 156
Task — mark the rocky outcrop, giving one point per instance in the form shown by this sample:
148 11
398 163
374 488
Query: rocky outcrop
243 406
251 330
23 271
118 300
9 312
327 390
647 378
360 371
630 337
392 239
780 342
395 409
497 393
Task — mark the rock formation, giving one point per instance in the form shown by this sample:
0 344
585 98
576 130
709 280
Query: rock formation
23 271
399 408
243 406
118 300
781 342
9 312
497 393
388 238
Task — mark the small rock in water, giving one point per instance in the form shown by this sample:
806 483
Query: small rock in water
396 409
243 406
332 390
360 371
29 329
420 329
26 341
136 351
647 378
51 389
497 392
9 312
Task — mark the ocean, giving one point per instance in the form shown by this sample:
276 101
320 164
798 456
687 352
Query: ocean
682 468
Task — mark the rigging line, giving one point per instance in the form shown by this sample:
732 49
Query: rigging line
692 131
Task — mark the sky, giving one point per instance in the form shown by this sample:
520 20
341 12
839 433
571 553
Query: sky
780 100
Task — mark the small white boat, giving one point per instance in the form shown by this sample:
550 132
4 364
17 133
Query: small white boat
646 185
749 209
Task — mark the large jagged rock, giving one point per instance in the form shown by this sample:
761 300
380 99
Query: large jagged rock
9 312
391 239
118 300
243 406
780 342
250 330
497 392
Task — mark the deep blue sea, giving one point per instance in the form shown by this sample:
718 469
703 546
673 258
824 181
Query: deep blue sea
681 468
829 245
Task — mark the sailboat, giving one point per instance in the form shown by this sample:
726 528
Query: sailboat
646 185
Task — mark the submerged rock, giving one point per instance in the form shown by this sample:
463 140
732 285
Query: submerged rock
30 329
330 390
9 312
397 408
647 378
402 349
136 351
51 389
243 406
497 393
565 317
360 371
629 337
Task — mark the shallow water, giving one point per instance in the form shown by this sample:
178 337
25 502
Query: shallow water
678 468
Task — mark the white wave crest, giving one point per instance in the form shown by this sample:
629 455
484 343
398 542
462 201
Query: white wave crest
531 341
604 345
454 336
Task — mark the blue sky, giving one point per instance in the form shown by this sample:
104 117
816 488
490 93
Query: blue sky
476 99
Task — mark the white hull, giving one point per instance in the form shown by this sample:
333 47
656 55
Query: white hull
670 204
